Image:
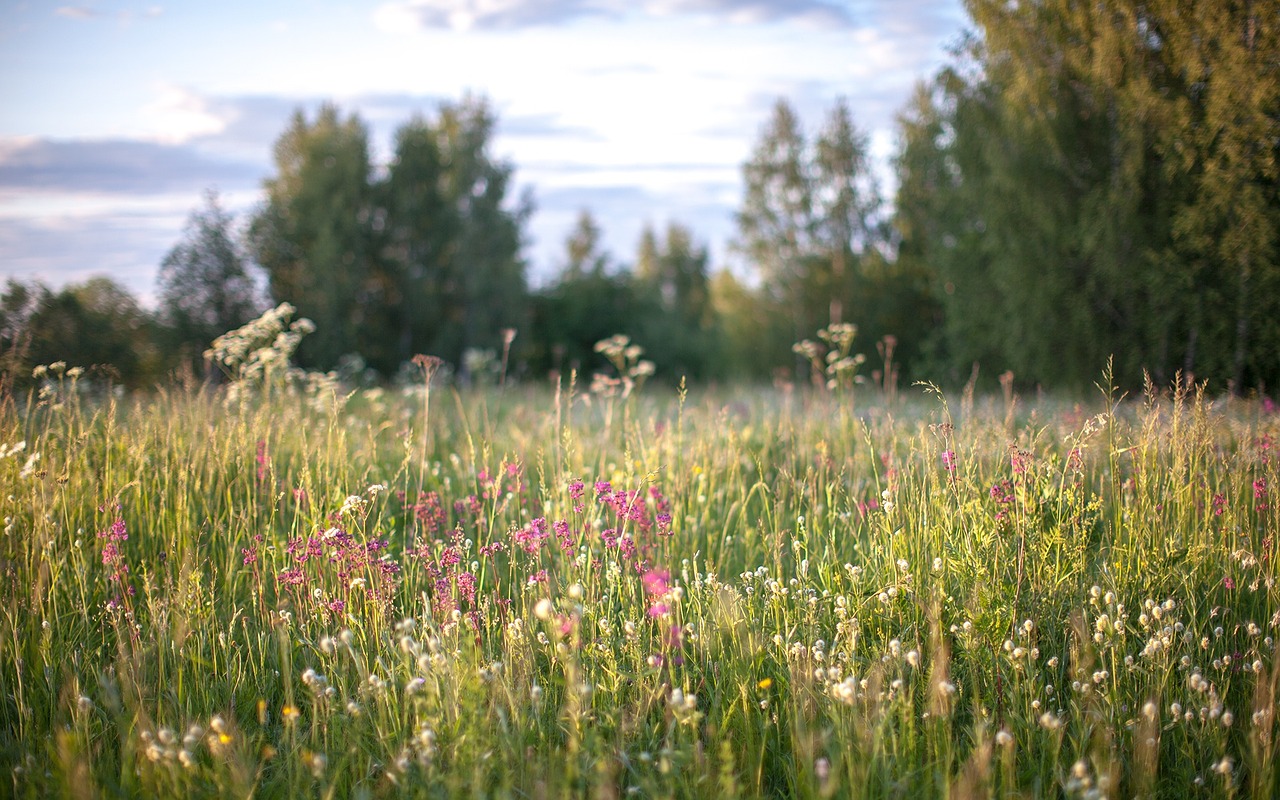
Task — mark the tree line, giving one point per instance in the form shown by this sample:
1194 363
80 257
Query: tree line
1081 182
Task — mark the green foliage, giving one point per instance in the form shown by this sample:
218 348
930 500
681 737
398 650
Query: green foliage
678 326
1075 165
315 234
96 325
204 283
590 301
812 224
426 259
453 244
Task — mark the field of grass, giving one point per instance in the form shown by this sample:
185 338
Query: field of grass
534 592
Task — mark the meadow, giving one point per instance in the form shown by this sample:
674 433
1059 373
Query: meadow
290 589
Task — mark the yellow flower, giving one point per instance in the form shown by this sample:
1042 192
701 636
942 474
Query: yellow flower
765 684
290 713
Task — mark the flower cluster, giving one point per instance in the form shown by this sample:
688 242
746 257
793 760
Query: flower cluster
113 558
335 561
833 364
262 347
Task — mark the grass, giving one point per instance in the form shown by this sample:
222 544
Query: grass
778 593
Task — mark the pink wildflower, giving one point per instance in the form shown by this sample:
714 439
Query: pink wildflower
655 581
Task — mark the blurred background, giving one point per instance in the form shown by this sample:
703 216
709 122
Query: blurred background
1016 191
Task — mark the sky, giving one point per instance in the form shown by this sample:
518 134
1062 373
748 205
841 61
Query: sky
117 117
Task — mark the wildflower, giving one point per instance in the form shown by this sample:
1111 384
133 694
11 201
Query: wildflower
949 460
318 763
353 504
262 460
655 581
822 769
467 584
543 609
683 706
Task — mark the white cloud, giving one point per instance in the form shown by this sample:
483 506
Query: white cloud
463 15
124 15
179 115
76 12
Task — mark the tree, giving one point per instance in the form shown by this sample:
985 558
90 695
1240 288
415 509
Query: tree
674 294
584 253
937 229
484 258
753 340
314 236
846 204
1100 179
96 325
426 260
452 241
1224 144
590 301
812 223
775 223
419 228
204 284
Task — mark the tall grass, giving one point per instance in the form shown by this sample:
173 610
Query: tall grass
716 594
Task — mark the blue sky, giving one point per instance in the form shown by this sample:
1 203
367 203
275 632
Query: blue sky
115 117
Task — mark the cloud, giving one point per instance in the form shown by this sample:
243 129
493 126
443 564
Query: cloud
118 166
816 12
931 19
540 125
409 15
124 15
178 114
224 141
483 14
77 12
61 250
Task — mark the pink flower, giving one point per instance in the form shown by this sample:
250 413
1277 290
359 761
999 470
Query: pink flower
467 586
655 581
664 524
263 462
